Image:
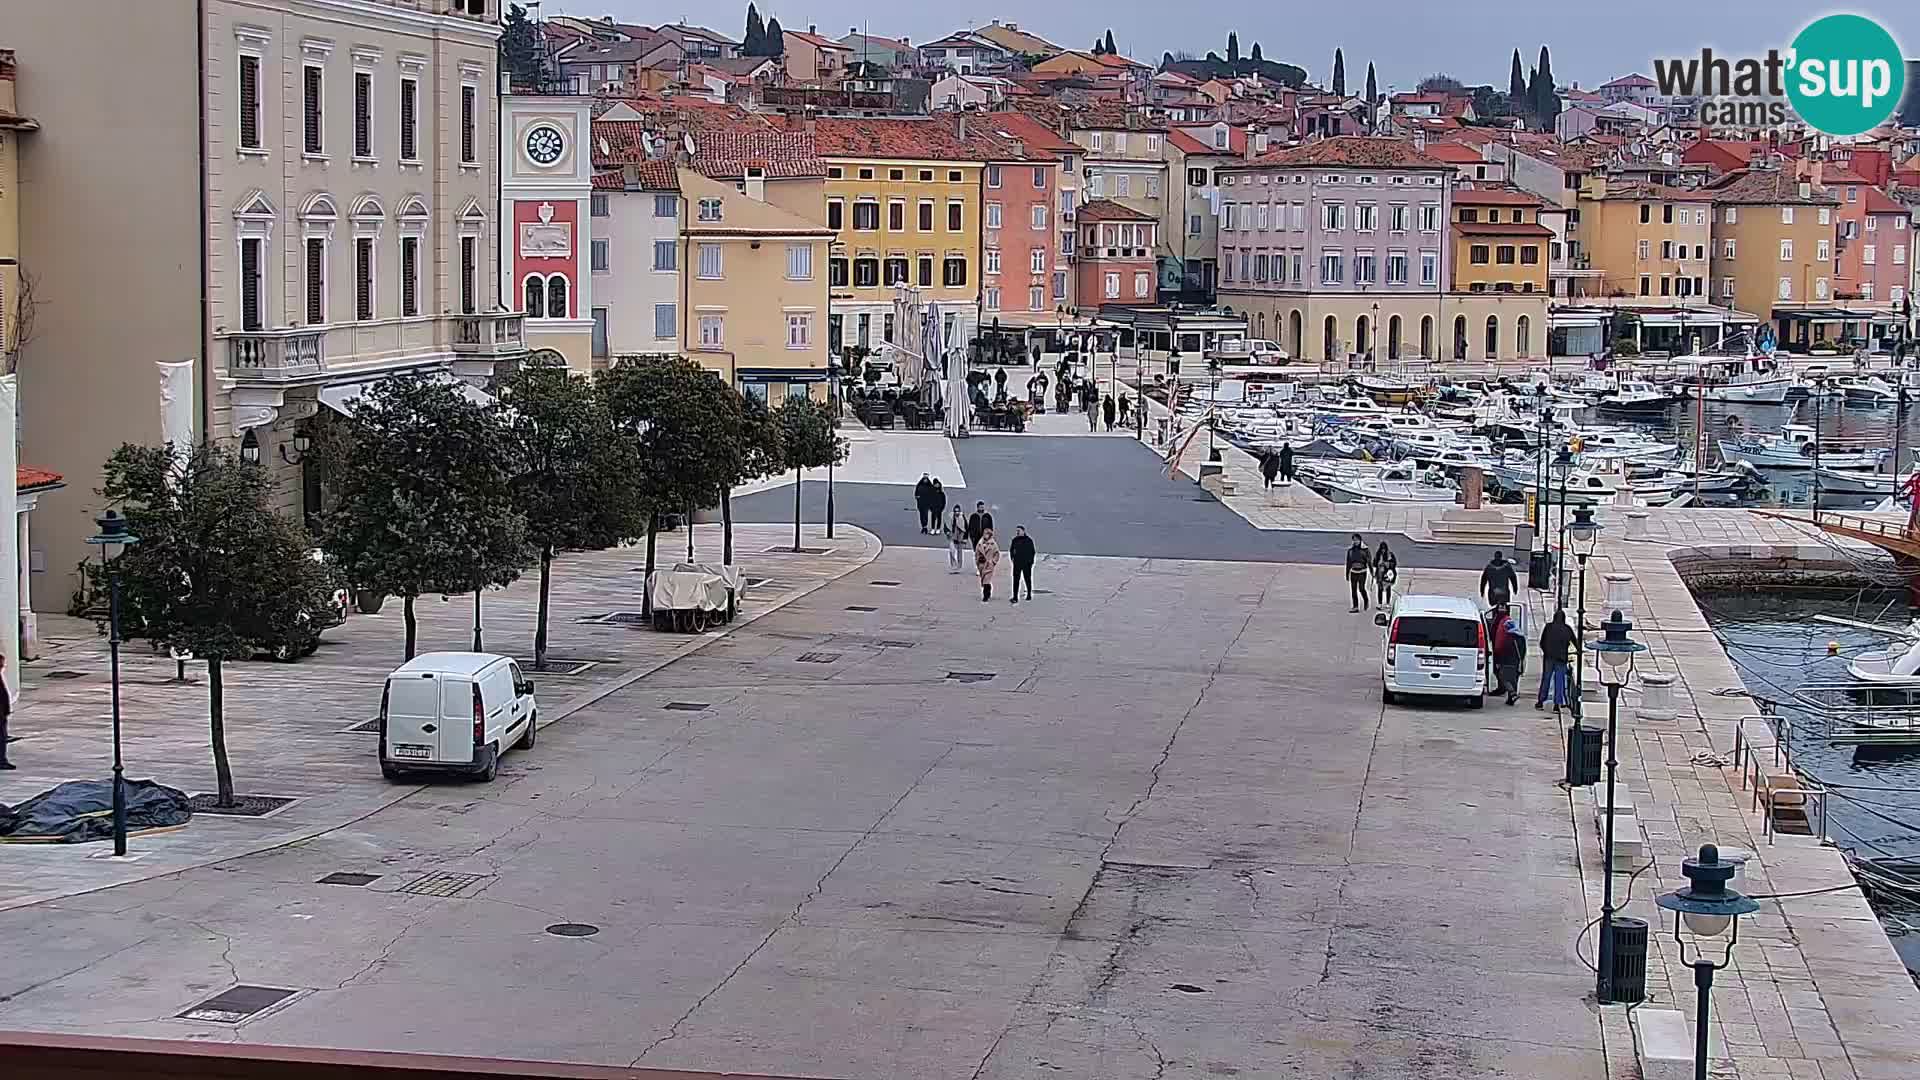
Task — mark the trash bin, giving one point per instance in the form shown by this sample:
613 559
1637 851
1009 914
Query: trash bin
1539 570
1583 755
1629 980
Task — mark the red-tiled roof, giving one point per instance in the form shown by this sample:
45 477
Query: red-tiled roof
1635 79
816 40
1502 228
1108 210
1354 151
930 139
1495 196
1766 187
1878 202
1642 190
1455 153
726 154
607 181
1199 140
26 478
1013 124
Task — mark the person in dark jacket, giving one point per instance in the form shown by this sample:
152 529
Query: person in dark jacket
1286 464
1498 581
979 523
1023 553
1359 564
1093 408
923 501
1556 649
1386 571
6 711
936 506
1269 466
1506 660
1107 410
1126 406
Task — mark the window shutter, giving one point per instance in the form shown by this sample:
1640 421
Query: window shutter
409 276
250 314
363 278
409 99
316 278
468 270
467 107
362 114
250 102
312 111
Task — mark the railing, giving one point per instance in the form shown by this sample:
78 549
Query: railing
277 355
496 333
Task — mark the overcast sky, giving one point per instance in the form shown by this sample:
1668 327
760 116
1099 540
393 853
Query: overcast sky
1472 40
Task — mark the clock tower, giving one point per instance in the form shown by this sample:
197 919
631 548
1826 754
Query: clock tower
546 179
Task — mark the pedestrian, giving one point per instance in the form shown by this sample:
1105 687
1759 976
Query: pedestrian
1023 552
979 523
1269 466
1000 379
923 501
1556 646
1359 564
6 710
1386 571
936 507
1093 411
1286 463
1506 659
986 559
1106 410
957 540
1498 581
1126 403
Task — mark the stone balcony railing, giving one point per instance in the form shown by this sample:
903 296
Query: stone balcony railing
293 354
492 335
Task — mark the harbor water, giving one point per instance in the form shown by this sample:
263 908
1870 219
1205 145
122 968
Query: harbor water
1874 812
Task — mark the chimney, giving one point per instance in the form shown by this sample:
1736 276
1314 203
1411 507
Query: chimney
1806 190
1020 148
1819 172
960 119
1419 138
1247 152
1013 26
630 176
811 125
755 187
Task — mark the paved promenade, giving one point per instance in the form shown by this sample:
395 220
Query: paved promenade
289 726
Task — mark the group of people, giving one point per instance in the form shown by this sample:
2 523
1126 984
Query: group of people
931 500
974 532
1380 564
1277 463
1498 583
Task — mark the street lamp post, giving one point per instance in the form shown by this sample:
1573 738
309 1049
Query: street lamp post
1708 906
1562 470
1584 533
1614 654
113 532
1819 410
478 646
1213 405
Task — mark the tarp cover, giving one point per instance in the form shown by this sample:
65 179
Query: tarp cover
82 810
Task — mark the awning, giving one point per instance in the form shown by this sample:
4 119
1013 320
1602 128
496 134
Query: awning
343 398
1564 322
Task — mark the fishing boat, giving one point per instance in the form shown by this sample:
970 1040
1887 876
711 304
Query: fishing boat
1621 444
1753 379
1397 483
1387 391
1635 398
1582 486
1794 448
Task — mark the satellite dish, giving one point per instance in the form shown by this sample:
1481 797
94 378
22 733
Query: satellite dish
605 150
686 139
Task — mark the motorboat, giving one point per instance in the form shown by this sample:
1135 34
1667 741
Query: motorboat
1386 391
1741 380
1856 481
1621 444
1401 482
1795 448
1635 398
1895 668
1864 390
1582 486
1353 405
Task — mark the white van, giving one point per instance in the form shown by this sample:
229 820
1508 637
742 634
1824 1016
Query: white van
454 712
1435 645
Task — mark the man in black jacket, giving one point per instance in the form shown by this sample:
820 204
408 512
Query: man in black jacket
923 500
1023 553
1359 563
1498 580
1556 645
978 523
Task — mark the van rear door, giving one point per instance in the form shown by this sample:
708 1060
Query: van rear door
1438 653
413 717
456 719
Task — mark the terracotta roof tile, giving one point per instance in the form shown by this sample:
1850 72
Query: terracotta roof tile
1502 228
1353 151
1014 124
1879 202
725 154
1766 187
1455 153
26 478
1641 190
1108 210
1495 196
931 139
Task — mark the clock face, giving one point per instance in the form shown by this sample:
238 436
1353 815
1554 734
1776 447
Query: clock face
544 145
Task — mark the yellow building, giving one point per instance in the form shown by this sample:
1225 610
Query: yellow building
754 257
1499 244
903 200
12 125
1773 249
1647 240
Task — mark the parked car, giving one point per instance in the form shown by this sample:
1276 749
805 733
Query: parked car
1435 645
1267 352
455 712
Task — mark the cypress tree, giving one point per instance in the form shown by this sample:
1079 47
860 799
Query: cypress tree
1373 95
1110 49
756 39
1517 84
1256 52
1233 47
776 39
1339 73
1546 102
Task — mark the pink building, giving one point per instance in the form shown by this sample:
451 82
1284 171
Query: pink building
1115 264
1019 251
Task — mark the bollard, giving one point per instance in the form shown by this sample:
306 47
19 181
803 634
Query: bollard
1656 695
1637 524
1616 591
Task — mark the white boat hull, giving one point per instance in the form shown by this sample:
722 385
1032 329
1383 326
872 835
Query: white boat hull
1763 393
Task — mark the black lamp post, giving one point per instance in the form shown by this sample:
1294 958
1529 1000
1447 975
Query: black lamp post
1819 409
113 533
477 646
1585 533
1708 906
1614 654
1562 470
1213 405
829 494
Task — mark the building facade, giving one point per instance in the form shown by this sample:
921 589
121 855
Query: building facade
1646 240
1772 247
1116 263
634 259
1018 249
1499 242
546 184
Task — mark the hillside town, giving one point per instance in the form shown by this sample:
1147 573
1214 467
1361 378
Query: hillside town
395 385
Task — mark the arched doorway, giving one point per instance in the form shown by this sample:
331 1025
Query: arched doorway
1295 332
1393 337
1330 338
1362 335
1493 337
1523 336
1426 337
1459 337
1260 324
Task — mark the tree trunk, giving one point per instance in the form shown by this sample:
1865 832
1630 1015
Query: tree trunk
796 510
726 543
540 627
413 627
646 590
217 722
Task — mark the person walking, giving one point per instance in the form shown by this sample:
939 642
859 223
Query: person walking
1498 582
936 507
1023 553
1359 564
1556 647
1506 659
1093 411
923 501
1126 405
6 711
1286 463
1269 466
1386 571
979 523
986 560
1106 410
1000 381
957 540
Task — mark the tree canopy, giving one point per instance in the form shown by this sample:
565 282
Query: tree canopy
520 48
1339 73
1439 83
807 441
1233 47
776 39
754 42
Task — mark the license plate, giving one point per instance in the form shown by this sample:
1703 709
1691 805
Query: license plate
1436 661
403 750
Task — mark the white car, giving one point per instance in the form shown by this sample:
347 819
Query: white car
1267 352
1435 645
455 712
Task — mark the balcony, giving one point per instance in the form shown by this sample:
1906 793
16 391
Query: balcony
495 335
277 357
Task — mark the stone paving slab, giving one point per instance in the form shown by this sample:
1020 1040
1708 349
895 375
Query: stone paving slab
288 724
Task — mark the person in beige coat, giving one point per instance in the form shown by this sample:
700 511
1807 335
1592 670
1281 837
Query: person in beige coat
986 559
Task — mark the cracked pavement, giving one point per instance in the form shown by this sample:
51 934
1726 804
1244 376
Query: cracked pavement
1176 835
